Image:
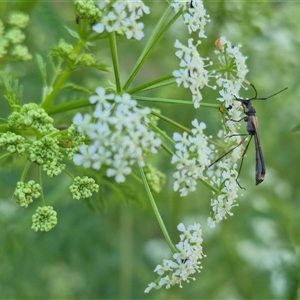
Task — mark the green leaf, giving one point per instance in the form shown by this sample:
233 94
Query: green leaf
43 67
73 33
76 88
13 91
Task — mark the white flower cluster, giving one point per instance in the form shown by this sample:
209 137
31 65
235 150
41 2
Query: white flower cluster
224 180
192 73
121 17
232 53
194 16
191 158
118 132
185 262
232 79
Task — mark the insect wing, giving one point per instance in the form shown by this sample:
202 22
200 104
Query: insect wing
260 169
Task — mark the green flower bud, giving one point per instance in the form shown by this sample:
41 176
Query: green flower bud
83 187
26 191
15 35
44 219
87 9
155 178
31 116
18 19
46 152
12 142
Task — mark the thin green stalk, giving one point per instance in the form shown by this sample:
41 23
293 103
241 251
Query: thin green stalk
114 55
150 46
5 155
49 99
164 80
64 76
167 149
162 117
174 101
41 183
69 174
156 212
25 170
162 133
79 103
210 187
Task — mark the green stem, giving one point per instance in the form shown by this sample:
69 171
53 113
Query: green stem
162 117
69 106
49 99
64 76
41 183
167 149
162 133
210 187
150 46
161 81
5 155
25 170
156 212
175 101
114 55
69 174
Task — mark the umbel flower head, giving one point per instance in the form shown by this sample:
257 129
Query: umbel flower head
12 142
122 17
12 36
184 263
191 158
83 187
118 133
192 73
31 116
46 152
44 219
230 77
194 15
26 191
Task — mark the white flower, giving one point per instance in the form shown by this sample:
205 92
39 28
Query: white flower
192 73
134 29
82 122
119 135
85 156
192 156
101 96
195 16
184 263
151 286
119 171
121 17
226 183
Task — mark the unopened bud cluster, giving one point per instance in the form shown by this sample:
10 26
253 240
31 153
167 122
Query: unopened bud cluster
31 116
87 9
155 178
70 55
44 219
83 187
27 191
12 142
12 37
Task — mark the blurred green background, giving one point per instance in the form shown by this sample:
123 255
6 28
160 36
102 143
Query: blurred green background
110 252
